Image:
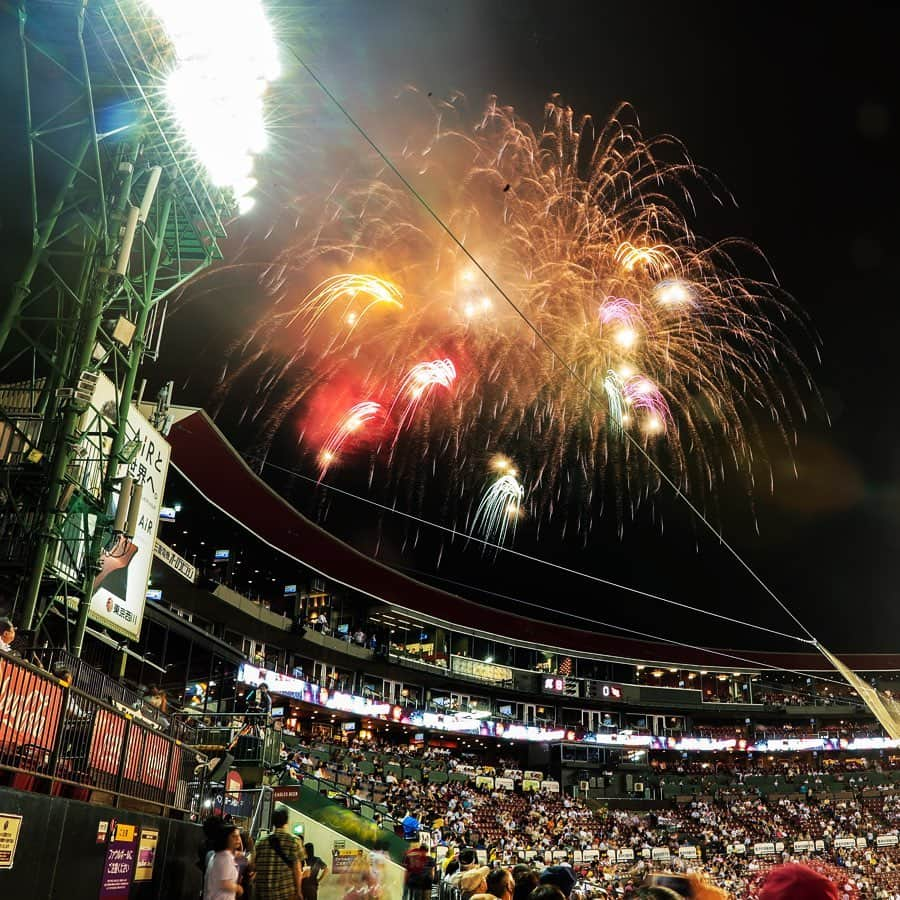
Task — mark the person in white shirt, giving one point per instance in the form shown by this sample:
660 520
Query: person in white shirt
221 881
7 635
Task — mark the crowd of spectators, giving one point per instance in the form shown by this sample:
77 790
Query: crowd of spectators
510 824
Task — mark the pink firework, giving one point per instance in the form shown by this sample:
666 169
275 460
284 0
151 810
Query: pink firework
351 423
642 395
623 319
416 387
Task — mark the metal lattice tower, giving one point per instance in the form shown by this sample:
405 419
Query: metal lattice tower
121 218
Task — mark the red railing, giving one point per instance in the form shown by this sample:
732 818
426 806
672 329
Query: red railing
55 738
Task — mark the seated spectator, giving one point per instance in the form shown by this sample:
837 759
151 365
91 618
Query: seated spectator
559 876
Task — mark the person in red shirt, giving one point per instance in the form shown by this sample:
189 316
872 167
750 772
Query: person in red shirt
419 873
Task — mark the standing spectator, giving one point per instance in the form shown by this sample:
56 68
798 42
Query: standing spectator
279 859
525 884
419 873
222 871
796 882
7 635
410 826
474 881
260 699
500 884
562 877
244 860
316 870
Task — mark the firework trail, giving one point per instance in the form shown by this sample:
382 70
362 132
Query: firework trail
416 386
349 425
500 508
347 290
587 231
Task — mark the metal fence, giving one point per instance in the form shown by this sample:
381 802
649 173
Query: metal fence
57 738
99 685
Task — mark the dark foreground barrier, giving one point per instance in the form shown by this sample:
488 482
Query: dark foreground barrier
68 850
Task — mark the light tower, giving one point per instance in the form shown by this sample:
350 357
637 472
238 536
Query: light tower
142 118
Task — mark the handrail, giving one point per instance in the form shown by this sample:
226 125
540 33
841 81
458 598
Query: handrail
51 731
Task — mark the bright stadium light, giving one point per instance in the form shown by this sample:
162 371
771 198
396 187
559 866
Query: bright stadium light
225 56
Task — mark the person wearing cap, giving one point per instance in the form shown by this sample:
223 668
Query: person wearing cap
796 882
467 861
559 876
474 881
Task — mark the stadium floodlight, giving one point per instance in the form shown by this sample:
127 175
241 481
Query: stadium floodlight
224 56
141 121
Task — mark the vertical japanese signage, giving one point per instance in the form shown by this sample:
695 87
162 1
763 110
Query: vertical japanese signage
120 589
118 867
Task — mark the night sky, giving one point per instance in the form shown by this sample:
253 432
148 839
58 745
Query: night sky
798 117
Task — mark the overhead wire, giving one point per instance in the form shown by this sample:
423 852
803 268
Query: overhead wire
543 339
578 573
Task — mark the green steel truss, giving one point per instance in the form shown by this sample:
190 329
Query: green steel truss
96 135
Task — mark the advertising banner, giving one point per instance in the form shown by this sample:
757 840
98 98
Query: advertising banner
106 742
174 561
803 846
845 843
484 781
119 864
626 855
120 588
688 852
30 707
591 855
531 784
660 853
886 840
507 784
148 753
551 786
764 849
146 856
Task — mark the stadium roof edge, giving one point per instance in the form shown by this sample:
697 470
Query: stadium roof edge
204 457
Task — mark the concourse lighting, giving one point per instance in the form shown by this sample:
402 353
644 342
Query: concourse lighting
225 56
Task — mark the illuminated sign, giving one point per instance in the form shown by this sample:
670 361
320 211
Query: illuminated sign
359 705
222 554
555 685
609 692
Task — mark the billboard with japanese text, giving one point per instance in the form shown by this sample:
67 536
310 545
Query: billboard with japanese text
121 585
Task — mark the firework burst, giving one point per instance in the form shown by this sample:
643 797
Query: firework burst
415 388
500 507
349 425
679 360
